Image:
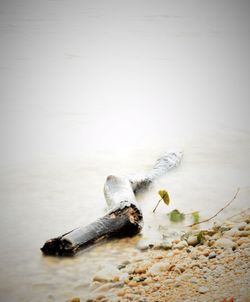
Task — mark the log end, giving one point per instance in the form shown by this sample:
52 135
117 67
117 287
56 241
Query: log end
58 247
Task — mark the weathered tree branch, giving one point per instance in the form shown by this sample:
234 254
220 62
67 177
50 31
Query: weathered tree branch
124 218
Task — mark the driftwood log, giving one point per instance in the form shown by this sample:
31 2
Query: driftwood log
124 217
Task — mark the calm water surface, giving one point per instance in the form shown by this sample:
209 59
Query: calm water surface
92 88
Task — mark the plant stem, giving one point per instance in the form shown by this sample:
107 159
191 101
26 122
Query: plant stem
157 205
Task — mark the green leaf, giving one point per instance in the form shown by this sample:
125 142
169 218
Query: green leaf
165 197
201 237
176 216
196 216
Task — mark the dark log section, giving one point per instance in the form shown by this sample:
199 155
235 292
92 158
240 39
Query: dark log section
119 223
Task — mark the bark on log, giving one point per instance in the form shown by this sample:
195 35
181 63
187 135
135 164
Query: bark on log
124 218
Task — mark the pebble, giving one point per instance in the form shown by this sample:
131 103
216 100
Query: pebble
109 273
212 255
240 226
185 277
181 268
121 266
194 280
139 279
211 242
76 299
202 290
205 253
142 245
244 246
219 270
181 245
205 270
132 284
244 233
192 240
168 281
225 243
159 267
166 244
121 293
140 270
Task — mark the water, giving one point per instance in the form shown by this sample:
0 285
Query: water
95 88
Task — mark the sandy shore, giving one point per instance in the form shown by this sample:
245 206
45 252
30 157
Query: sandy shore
214 269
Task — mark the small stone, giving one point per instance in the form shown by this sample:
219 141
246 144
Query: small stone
157 285
132 284
205 253
244 233
140 270
216 236
194 280
211 242
123 276
244 246
192 240
75 299
202 290
247 220
177 240
139 279
159 267
241 225
225 243
121 293
121 266
212 255
168 281
166 244
143 245
195 257
181 268
107 274
241 241
147 281
181 245
232 232
186 277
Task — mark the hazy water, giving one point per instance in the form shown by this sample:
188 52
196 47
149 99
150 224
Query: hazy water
90 88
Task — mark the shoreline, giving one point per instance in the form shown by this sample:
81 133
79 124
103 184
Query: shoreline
215 269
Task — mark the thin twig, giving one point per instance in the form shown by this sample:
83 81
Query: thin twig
157 204
206 220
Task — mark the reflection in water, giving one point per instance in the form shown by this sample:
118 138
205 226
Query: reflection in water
97 88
